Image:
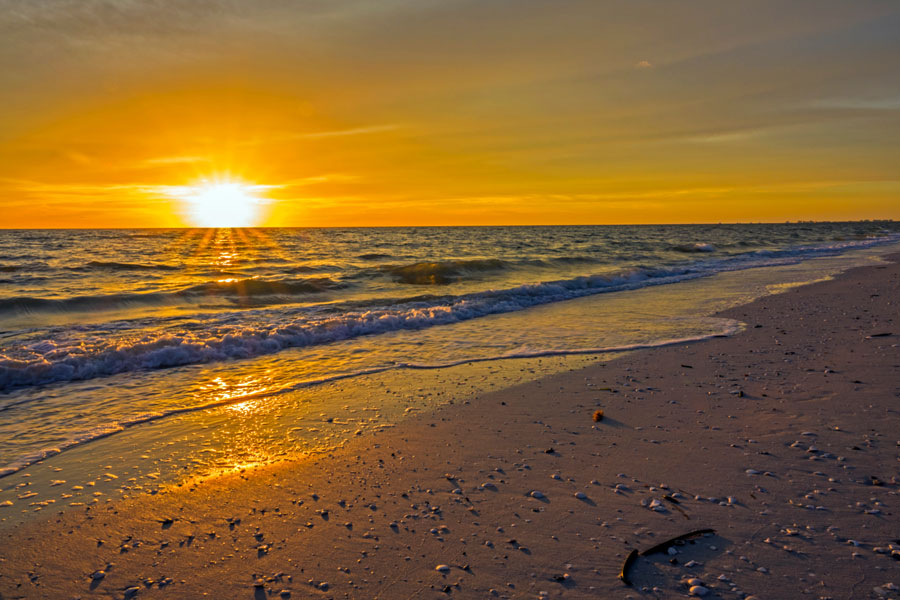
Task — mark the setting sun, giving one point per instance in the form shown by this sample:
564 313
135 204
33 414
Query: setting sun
221 203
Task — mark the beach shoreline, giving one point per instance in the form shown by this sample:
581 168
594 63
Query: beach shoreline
778 438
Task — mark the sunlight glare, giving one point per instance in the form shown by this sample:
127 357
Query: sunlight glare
221 203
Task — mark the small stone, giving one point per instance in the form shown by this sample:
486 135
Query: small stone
672 551
442 568
537 494
285 593
698 590
98 575
581 495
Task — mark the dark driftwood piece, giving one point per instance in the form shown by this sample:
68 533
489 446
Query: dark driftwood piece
629 560
665 545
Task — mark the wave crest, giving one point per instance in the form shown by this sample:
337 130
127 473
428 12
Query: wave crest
125 266
692 248
240 291
441 273
245 288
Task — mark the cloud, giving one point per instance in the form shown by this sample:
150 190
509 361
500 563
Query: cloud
312 135
344 132
174 160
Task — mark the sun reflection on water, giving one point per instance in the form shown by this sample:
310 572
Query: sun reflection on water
248 407
218 390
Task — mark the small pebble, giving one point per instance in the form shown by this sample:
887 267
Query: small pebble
698 590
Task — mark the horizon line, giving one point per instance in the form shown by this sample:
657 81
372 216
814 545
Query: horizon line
680 224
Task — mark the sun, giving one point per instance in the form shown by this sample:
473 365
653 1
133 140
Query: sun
221 203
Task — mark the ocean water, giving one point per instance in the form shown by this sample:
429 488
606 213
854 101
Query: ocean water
105 333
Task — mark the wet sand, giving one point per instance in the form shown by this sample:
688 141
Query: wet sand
783 439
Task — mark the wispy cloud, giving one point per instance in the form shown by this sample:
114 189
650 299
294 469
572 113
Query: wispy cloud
346 132
312 135
175 160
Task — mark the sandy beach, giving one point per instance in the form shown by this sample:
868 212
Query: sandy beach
782 439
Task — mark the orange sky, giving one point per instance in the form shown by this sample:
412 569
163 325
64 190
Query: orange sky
459 112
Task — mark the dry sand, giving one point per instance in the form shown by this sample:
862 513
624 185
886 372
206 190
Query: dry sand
783 438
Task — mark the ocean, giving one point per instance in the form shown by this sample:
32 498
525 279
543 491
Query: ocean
204 349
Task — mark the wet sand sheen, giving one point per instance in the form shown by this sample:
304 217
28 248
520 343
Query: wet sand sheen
779 438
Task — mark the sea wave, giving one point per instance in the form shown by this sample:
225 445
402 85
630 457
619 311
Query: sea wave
125 266
28 304
373 256
442 272
240 291
245 288
697 247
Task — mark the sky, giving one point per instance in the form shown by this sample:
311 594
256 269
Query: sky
449 112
